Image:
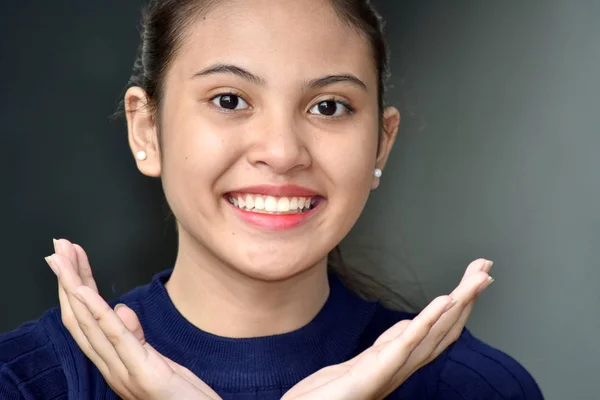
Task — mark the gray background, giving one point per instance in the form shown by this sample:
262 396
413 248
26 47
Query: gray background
497 158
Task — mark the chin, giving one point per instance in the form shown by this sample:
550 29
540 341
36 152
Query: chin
275 268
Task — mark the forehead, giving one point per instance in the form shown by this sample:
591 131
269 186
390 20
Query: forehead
277 39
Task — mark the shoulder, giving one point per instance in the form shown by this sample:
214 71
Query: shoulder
29 364
40 359
474 370
468 370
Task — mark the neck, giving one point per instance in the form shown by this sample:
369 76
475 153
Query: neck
221 300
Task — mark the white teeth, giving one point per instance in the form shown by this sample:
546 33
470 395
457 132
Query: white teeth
259 203
271 204
283 205
249 202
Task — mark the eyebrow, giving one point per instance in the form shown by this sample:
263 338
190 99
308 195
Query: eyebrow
331 79
233 70
249 76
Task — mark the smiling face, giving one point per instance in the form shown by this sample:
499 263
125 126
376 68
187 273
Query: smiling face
269 128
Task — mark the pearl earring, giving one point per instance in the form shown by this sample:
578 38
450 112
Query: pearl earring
378 173
141 155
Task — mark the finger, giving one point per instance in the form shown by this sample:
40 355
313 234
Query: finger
112 335
453 320
131 321
188 376
70 322
451 337
455 332
395 354
480 264
392 333
447 329
464 294
458 317
65 248
422 352
368 376
85 270
475 266
84 325
78 258
487 266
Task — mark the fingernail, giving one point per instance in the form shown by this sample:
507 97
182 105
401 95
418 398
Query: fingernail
485 284
119 306
52 266
486 266
451 304
55 244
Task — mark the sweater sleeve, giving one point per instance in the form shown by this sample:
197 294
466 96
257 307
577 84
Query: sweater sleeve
8 387
29 366
473 370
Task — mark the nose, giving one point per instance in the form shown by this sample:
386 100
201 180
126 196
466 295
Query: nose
279 145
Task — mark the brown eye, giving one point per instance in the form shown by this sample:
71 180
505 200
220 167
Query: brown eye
330 108
230 102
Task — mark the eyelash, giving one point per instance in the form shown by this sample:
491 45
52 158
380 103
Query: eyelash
229 93
349 109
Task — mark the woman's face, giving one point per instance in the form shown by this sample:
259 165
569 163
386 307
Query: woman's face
269 107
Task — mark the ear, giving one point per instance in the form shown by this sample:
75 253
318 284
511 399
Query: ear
142 131
391 122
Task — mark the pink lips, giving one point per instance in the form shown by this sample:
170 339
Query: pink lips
276 222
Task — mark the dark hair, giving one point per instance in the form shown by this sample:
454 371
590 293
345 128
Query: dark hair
165 23
164 26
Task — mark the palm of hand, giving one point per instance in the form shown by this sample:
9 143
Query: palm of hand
365 376
114 341
401 350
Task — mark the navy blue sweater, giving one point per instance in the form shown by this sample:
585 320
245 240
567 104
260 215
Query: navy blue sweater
40 360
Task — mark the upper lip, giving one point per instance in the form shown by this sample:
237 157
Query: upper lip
277 191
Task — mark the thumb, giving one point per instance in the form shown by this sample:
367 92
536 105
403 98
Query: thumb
131 321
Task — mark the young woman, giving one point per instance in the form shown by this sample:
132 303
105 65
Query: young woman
265 121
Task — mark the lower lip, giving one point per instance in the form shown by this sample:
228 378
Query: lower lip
276 222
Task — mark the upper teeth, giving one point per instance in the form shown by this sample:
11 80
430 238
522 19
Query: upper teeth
271 203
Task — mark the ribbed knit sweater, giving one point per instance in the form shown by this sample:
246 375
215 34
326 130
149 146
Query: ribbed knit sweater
40 360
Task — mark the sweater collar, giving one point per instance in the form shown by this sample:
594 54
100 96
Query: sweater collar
277 361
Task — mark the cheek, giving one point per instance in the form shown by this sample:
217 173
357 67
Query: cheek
348 163
350 160
195 154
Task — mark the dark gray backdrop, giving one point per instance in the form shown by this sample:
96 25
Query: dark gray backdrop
497 157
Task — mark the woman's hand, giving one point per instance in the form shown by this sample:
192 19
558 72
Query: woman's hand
113 339
401 350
